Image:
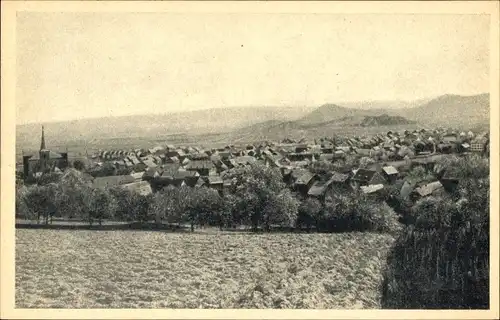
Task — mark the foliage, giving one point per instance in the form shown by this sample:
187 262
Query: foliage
101 205
357 212
441 260
41 202
418 174
107 169
260 197
309 213
48 178
79 165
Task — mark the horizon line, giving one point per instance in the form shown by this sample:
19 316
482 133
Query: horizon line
313 107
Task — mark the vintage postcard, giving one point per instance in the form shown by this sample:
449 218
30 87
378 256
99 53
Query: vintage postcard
247 160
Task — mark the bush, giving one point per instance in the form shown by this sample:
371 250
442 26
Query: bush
439 269
358 212
309 213
441 260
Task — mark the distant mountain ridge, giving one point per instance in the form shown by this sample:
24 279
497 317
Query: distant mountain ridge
263 122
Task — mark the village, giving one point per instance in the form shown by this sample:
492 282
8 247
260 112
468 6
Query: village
309 168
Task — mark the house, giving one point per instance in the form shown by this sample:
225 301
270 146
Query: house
446 148
300 156
390 173
364 152
301 148
149 162
319 189
449 181
406 189
326 157
216 182
189 178
303 180
173 159
464 147
138 175
203 167
340 180
450 138
433 188
244 160
141 187
112 181
372 189
478 145
150 174
199 156
364 177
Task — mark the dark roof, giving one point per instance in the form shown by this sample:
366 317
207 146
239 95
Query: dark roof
363 152
406 189
200 164
319 188
185 174
244 159
169 169
305 178
364 175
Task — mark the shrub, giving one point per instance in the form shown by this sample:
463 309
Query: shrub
441 260
309 213
358 212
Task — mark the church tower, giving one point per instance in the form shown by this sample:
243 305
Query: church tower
44 153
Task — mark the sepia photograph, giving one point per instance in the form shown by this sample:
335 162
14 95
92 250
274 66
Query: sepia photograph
251 157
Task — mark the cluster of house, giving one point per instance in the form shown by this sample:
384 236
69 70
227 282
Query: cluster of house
392 154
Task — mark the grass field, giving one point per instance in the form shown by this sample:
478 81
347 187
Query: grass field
140 269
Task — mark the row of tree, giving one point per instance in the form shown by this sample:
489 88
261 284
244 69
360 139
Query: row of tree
258 199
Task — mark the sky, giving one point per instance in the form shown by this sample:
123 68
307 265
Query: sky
87 65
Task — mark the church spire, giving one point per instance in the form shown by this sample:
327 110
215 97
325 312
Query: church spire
42 145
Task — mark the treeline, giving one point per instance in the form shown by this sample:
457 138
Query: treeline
257 199
441 259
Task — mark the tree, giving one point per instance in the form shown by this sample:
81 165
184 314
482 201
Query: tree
79 165
256 186
281 209
309 213
101 205
418 174
202 206
47 178
40 201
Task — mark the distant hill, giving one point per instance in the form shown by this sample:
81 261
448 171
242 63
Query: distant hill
153 126
385 104
238 124
330 112
384 120
452 110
